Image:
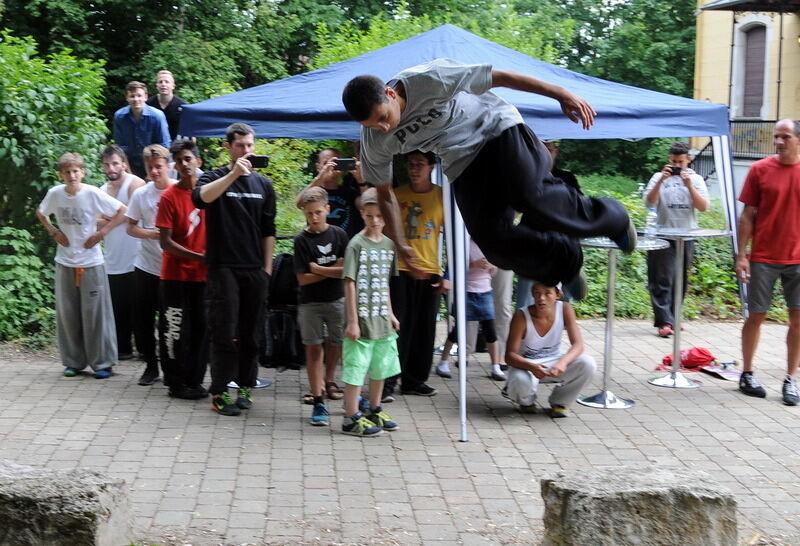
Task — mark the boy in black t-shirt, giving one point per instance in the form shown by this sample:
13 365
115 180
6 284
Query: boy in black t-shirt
318 260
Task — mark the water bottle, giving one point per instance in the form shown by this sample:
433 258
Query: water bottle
650 226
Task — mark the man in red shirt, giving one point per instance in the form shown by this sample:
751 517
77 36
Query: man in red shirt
182 227
771 218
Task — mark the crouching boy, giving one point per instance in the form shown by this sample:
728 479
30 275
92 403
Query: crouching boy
534 352
370 345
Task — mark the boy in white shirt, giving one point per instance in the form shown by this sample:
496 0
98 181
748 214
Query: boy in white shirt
84 316
147 267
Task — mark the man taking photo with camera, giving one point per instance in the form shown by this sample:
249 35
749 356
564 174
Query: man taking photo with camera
675 192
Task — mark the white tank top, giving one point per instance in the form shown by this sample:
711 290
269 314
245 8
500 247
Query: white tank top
119 248
544 349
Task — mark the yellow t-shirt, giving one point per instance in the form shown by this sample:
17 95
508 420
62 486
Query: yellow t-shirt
423 216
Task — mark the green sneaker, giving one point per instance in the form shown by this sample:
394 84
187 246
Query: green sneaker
358 425
224 405
245 398
70 372
382 419
557 412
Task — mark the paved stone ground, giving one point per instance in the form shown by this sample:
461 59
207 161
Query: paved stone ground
270 478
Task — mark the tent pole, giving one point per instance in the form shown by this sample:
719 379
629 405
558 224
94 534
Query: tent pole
723 162
457 269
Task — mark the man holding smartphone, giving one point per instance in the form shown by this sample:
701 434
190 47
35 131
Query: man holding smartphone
676 192
332 171
240 238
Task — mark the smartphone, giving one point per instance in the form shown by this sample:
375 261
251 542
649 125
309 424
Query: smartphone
676 171
345 164
258 161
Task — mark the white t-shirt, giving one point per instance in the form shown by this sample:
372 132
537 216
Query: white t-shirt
675 208
119 248
143 209
450 110
76 216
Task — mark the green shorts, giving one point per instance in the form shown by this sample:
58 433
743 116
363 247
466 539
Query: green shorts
376 357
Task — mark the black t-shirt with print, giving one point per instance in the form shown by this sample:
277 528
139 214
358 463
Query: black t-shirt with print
324 249
238 221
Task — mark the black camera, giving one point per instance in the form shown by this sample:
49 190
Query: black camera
258 161
676 171
344 164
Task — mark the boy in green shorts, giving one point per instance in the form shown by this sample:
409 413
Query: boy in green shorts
370 345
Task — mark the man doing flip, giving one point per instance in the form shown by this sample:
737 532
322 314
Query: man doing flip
496 163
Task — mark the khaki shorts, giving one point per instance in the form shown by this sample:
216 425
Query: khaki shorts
762 282
314 318
376 357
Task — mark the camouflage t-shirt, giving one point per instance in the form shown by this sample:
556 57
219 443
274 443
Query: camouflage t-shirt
370 264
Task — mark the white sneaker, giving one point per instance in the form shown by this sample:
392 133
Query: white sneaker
443 369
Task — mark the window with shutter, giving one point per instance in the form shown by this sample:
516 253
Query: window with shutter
753 96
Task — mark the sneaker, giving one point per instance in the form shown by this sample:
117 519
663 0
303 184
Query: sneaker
665 331
626 241
199 390
790 394
382 419
557 412
497 375
420 390
363 404
244 399
577 288
103 374
504 392
224 405
148 378
387 398
188 393
319 415
358 425
751 386
503 367
70 372
527 409
443 370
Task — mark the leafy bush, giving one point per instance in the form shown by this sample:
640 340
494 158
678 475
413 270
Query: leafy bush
26 289
48 106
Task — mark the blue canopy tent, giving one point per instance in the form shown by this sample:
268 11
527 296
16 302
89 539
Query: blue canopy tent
309 106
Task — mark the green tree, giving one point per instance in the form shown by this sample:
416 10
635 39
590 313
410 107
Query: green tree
48 106
124 32
533 34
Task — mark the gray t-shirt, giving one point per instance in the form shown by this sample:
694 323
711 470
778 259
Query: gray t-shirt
450 110
370 264
674 207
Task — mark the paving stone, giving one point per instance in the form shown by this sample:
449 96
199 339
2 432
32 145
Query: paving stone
191 470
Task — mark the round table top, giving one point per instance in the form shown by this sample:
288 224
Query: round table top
642 243
697 233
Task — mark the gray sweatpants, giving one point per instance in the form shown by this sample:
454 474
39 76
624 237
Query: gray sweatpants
522 385
85 318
